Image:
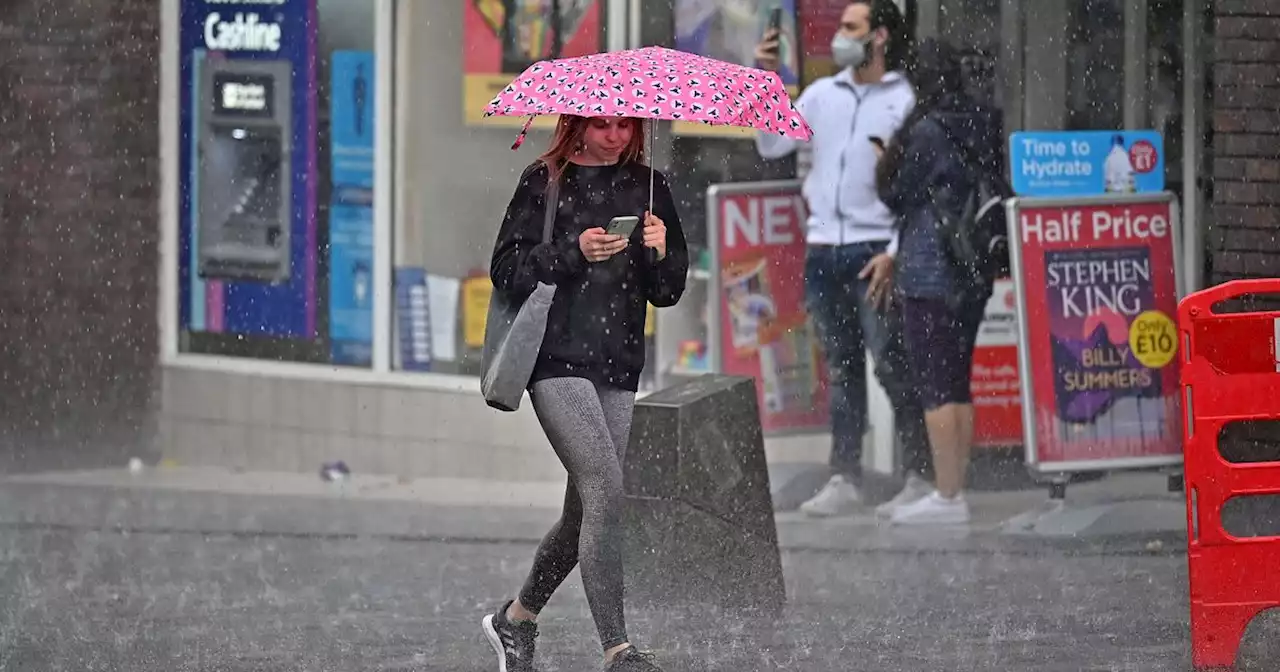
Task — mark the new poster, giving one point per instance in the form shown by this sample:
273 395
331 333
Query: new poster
758 247
1099 296
503 37
730 30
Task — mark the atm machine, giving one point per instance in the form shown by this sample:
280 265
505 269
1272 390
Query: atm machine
244 179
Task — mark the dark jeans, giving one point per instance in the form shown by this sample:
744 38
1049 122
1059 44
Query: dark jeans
849 326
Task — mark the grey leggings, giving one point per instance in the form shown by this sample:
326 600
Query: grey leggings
588 426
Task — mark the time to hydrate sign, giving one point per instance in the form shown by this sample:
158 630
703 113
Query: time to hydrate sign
1098 296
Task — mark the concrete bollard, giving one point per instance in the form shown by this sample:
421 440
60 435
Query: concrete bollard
699 518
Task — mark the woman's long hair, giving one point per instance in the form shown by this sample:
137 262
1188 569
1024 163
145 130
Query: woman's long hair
568 138
935 75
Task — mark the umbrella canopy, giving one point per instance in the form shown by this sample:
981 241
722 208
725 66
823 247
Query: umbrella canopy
653 83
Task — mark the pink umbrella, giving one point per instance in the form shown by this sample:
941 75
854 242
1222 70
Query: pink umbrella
652 83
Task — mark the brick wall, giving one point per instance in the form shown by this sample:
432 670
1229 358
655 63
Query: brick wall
79 173
1245 220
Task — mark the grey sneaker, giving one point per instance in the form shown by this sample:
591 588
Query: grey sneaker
632 660
513 642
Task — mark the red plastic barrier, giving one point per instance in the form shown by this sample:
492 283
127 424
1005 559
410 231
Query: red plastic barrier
1230 373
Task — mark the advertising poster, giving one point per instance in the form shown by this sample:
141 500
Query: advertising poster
1086 163
240 136
351 208
997 391
476 292
818 21
729 30
1099 298
500 38
764 332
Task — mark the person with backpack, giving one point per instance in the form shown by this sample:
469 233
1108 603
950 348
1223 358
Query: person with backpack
941 176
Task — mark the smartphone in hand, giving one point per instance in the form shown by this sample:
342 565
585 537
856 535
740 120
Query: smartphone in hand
622 226
775 29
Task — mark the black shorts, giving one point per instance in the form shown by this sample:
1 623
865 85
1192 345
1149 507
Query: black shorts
939 341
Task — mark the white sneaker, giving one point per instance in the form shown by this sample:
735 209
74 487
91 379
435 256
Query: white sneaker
933 509
836 497
915 489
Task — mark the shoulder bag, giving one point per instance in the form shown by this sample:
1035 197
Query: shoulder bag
514 330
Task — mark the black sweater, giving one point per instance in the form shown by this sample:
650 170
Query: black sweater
595 329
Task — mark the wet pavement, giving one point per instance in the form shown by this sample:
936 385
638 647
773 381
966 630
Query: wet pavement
100 578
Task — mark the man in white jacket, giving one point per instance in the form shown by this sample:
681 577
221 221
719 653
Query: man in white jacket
852 238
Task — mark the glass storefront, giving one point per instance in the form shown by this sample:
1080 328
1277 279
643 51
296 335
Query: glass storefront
279 256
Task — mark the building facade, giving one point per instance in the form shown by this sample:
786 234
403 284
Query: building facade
79 224
292 270
1245 86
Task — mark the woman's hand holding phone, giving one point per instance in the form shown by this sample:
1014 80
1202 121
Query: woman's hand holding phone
597 245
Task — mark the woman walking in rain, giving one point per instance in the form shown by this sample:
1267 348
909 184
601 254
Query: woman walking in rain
588 368
925 175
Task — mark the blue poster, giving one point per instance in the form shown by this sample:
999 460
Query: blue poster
413 319
1086 163
351 284
239 47
351 122
351 208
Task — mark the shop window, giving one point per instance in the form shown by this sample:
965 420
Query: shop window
276 161
1095 65
455 169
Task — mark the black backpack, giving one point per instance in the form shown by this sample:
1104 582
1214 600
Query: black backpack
977 236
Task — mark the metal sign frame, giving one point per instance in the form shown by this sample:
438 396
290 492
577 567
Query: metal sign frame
1013 207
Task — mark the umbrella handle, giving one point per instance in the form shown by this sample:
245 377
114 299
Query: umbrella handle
653 130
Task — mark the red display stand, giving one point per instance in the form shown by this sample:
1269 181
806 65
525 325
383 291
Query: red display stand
1230 373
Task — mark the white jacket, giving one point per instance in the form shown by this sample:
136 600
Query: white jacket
840 188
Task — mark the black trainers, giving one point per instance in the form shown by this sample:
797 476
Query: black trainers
632 660
513 642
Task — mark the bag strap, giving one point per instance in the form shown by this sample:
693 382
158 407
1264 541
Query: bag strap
552 204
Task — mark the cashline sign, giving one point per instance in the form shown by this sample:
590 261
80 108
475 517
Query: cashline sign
244 31
248 220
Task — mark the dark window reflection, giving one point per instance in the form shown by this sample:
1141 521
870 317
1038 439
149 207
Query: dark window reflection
1095 65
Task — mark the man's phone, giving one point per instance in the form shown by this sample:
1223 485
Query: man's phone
622 226
775 28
